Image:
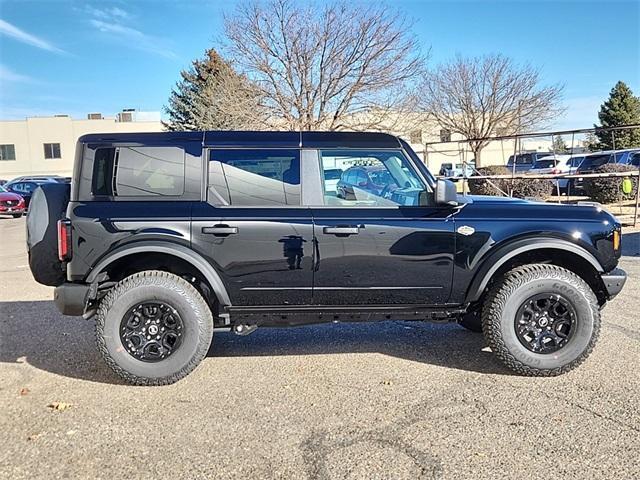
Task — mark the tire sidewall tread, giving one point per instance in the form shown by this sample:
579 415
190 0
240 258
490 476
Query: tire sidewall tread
504 299
149 285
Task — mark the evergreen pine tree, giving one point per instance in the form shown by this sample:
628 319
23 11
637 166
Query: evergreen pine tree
212 96
559 145
622 108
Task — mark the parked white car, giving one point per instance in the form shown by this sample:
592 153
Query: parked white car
555 165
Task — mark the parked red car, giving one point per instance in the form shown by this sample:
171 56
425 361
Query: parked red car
11 204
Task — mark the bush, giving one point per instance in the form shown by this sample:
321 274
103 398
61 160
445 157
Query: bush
609 190
538 188
482 186
522 188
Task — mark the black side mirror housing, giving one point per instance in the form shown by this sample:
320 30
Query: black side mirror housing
446 193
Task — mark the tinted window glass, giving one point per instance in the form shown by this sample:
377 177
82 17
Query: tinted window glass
145 171
595 161
382 178
103 171
635 160
544 163
24 187
139 171
254 177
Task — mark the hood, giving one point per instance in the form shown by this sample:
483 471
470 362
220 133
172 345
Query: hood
491 199
525 210
5 196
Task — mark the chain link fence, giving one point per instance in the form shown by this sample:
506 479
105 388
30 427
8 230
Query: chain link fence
593 164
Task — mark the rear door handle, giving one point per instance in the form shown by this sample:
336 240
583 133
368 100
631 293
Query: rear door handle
220 230
341 230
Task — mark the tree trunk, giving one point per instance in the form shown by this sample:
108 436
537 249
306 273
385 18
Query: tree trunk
477 151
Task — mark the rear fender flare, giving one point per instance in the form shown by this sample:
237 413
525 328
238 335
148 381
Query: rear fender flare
503 254
173 249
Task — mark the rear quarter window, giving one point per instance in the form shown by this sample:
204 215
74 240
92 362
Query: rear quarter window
138 171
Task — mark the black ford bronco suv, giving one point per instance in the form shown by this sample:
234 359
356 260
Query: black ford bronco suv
166 238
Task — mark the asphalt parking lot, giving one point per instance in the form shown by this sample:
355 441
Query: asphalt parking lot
389 400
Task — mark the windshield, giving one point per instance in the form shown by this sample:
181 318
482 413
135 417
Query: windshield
2 190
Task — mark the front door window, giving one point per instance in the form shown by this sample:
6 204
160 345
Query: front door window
370 179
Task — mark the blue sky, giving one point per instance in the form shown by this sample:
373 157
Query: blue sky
76 57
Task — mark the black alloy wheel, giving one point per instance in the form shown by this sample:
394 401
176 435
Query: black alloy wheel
545 323
151 331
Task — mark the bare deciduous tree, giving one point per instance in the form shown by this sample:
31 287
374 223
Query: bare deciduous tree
487 96
331 67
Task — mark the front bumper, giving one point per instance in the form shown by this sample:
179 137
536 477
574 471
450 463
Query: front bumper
614 281
11 210
72 298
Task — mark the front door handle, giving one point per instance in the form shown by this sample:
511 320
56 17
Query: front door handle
220 230
341 230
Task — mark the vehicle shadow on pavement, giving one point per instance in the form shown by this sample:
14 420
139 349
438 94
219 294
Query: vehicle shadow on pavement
447 345
631 244
36 334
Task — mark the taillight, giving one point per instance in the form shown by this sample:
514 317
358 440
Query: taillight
64 240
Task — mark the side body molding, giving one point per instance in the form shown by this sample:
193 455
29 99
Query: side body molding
495 260
173 249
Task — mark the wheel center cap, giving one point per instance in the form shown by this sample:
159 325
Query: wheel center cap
153 329
543 322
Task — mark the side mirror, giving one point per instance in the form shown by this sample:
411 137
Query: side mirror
446 193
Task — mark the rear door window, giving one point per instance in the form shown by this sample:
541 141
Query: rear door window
256 178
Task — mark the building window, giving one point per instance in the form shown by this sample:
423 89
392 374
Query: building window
445 135
7 152
415 136
51 151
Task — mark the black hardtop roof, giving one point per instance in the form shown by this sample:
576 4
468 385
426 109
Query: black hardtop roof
253 139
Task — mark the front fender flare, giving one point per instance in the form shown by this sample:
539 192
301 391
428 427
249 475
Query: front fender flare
503 254
173 249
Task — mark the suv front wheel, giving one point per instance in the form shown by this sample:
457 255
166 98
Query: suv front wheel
153 328
541 320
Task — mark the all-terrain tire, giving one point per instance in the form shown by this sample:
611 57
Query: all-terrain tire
178 294
507 296
48 205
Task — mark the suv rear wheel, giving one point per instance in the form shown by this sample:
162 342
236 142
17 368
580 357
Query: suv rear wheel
541 320
153 328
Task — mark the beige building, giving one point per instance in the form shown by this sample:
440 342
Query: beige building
46 145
